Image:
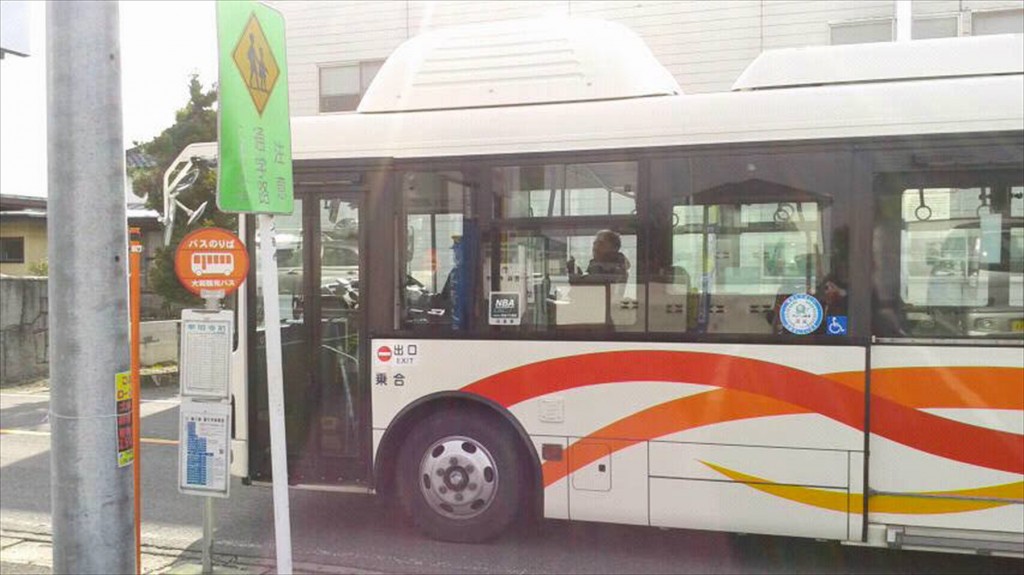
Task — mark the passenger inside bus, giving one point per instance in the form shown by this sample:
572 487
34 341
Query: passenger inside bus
608 265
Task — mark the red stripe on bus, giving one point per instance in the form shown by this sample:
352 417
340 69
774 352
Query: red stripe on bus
807 390
936 435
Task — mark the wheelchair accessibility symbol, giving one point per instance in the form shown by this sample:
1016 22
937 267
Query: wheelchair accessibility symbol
835 325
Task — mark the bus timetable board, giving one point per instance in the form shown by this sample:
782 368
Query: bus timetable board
205 364
204 448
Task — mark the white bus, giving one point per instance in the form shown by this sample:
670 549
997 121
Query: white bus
795 308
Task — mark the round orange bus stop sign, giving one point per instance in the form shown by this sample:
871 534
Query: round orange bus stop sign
211 262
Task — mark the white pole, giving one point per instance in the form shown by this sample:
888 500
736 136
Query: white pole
212 304
207 535
904 20
275 394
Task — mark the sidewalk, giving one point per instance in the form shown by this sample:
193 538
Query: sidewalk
32 553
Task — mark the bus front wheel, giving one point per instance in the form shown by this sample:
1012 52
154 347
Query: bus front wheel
459 477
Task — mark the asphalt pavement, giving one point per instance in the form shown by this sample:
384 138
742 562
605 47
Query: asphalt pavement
348 533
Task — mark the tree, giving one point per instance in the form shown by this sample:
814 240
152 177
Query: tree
196 122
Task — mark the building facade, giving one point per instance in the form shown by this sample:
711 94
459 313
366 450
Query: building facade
335 48
22 234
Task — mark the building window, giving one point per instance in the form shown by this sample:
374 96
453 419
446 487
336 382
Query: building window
931 26
12 250
862 32
935 27
997 22
341 87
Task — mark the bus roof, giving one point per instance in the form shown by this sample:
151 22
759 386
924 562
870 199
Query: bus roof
885 61
930 106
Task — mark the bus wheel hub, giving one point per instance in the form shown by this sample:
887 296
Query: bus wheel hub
458 477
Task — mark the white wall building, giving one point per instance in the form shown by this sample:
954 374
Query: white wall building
335 48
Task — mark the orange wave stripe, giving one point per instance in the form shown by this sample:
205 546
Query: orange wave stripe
834 500
716 406
938 387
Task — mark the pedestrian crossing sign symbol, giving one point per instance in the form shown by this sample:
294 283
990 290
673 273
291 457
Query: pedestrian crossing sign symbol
255 62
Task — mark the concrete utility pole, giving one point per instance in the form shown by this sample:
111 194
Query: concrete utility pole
91 497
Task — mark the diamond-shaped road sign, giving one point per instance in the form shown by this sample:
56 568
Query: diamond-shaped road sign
255 61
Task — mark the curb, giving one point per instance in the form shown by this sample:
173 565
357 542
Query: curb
32 553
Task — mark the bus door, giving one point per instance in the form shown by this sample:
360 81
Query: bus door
320 258
337 396
949 326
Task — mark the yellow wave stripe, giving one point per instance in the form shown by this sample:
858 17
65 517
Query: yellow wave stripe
852 503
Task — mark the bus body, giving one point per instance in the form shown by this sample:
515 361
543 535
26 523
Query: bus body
819 331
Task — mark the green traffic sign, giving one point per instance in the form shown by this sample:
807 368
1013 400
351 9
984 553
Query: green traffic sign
254 132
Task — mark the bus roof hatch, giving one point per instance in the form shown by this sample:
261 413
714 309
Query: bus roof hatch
518 62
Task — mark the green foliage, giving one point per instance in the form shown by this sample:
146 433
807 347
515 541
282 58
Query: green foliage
40 268
196 122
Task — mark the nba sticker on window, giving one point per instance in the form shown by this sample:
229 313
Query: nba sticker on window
503 308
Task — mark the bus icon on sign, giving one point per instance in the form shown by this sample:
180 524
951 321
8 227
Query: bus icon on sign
215 263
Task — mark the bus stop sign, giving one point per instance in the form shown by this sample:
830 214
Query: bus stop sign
211 262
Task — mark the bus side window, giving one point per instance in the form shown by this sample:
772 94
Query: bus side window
737 236
441 244
958 258
566 247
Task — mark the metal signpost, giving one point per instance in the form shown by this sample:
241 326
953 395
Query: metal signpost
255 176
135 251
212 263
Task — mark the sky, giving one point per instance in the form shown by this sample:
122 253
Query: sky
162 44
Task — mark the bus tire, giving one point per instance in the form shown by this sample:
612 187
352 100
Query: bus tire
459 477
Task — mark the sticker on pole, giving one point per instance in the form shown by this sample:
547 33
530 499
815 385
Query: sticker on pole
211 262
125 439
204 449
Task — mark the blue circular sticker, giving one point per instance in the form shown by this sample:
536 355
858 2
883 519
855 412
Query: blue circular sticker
801 314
